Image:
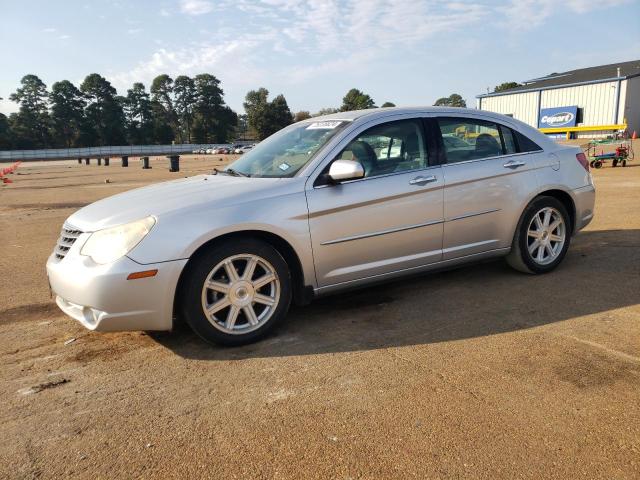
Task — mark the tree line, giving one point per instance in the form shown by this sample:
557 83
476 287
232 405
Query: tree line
182 110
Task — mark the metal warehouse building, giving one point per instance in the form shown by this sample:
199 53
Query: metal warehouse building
589 102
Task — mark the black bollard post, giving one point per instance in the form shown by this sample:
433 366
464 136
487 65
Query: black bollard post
99 161
106 162
174 163
145 163
125 161
80 161
86 161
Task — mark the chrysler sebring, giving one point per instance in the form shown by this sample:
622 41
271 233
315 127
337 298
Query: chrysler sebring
324 205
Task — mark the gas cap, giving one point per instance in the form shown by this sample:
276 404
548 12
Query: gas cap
554 161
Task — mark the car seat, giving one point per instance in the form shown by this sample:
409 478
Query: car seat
366 155
487 146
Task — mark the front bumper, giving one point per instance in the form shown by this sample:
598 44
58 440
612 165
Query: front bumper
584 199
101 298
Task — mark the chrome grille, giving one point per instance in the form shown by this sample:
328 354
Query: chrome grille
67 238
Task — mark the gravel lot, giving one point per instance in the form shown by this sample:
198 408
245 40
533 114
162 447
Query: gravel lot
479 372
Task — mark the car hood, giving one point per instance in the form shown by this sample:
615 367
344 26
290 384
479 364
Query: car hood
173 196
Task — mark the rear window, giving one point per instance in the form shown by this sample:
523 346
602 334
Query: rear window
469 139
525 144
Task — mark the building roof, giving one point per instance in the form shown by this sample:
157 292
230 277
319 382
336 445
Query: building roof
597 74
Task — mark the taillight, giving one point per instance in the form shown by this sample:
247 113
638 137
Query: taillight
582 159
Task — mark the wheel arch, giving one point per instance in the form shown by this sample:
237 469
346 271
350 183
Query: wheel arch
565 198
302 294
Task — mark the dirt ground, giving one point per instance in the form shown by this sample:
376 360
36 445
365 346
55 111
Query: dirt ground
480 372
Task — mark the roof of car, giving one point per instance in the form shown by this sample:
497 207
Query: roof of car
388 111
374 113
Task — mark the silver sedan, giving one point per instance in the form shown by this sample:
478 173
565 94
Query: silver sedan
323 205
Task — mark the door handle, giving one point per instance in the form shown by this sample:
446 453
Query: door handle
423 180
514 164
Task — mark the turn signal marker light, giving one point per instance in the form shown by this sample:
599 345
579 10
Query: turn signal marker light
145 274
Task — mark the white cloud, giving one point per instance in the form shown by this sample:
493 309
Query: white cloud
287 42
164 12
528 14
196 7
50 30
64 37
134 31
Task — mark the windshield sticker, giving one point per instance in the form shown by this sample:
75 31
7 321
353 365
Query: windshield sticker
326 125
284 166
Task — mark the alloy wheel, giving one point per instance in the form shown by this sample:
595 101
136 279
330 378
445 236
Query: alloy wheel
546 236
240 294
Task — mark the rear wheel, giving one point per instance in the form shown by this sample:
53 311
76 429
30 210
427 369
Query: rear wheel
236 292
542 236
614 163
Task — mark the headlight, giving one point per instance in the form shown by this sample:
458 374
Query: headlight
108 245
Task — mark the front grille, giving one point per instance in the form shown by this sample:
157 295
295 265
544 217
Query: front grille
68 236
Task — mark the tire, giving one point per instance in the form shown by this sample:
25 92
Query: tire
525 255
614 163
597 164
266 292
624 163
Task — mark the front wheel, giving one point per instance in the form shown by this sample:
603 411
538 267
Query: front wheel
542 236
236 292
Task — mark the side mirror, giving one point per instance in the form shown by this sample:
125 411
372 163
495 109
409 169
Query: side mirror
343 170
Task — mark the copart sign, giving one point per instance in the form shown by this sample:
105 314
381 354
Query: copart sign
558 117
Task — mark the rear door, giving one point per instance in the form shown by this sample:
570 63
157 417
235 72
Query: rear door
390 220
487 182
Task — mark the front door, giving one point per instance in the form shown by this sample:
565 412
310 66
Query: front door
390 220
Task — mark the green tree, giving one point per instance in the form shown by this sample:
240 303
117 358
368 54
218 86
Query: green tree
453 100
301 115
214 121
6 141
242 128
164 113
67 114
31 124
388 104
356 100
265 117
506 86
184 90
104 112
256 104
326 111
139 115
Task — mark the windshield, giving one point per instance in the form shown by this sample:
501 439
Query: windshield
284 153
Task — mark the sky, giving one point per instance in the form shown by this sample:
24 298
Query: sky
409 52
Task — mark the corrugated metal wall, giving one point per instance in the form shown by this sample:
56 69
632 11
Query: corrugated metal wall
523 106
632 105
598 101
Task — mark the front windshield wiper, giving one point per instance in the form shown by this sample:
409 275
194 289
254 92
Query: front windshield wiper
232 172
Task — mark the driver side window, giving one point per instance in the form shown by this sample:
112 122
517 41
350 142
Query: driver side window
388 148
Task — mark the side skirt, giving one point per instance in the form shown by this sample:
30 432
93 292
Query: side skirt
442 265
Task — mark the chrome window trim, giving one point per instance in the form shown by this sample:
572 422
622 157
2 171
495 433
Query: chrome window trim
490 158
355 180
